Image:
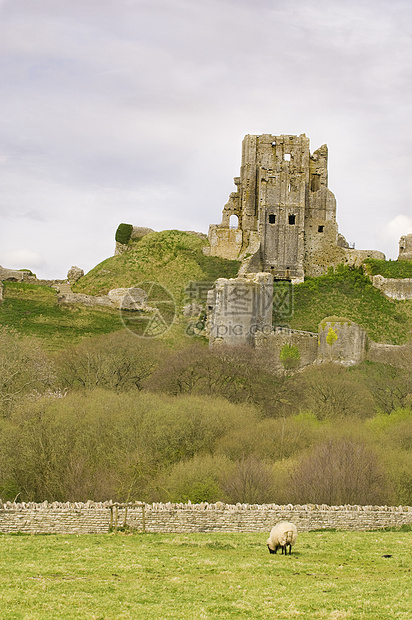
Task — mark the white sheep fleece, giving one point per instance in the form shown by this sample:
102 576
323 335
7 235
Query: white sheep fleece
282 535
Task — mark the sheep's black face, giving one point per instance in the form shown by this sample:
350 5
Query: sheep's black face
271 550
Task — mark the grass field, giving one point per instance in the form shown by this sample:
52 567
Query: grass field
34 311
171 257
330 575
348 293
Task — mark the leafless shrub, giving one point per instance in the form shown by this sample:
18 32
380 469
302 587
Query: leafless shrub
251 482
340 471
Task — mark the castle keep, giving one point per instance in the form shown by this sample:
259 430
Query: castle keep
285 214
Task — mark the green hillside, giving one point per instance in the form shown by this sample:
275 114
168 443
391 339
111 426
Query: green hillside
171 257
349 293
34 311
389 268
175 259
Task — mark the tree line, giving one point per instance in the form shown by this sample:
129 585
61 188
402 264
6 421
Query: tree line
130 419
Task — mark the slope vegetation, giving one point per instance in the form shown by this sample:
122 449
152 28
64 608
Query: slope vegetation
349 293
175 259
171 257
33 310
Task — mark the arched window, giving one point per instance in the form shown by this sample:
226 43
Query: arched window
234 221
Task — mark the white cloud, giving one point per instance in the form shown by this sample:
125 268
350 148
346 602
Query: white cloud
135 110
20 259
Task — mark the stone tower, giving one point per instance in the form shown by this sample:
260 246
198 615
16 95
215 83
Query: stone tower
284 211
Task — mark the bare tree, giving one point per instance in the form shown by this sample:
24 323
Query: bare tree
332 391
340 471
24 368
391 386
118 361
250 482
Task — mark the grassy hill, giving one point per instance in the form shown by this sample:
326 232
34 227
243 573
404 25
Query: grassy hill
34 311
389 268
349 293
171 257
174 259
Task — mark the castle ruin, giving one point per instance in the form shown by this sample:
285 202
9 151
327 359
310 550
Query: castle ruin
405 247
285 214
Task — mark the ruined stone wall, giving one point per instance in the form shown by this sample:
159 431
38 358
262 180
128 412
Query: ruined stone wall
358 257
51 283
125 298
94 518
405 247
322 253
399 356
320 256
13 274
306 342
341 341
226 242
137 233
239 308
394 288
23 276
86 300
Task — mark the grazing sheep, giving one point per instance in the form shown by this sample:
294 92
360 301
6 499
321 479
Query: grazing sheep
282 535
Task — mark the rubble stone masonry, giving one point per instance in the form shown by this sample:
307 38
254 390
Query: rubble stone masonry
94 518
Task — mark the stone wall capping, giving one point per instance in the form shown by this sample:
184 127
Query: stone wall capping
100 517
200 506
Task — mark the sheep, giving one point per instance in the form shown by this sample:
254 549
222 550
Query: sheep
282 535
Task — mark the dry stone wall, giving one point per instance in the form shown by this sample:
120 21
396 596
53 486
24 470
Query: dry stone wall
95 518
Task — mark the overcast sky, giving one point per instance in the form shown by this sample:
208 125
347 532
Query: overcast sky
134 111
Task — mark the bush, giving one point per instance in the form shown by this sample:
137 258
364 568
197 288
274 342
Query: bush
331 391
119 361
99 445
252 482
123 233
340 471
25 369
197 480
391 387
389 268
289 356
235 373
272 438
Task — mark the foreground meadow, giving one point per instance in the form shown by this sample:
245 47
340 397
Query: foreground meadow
331 575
